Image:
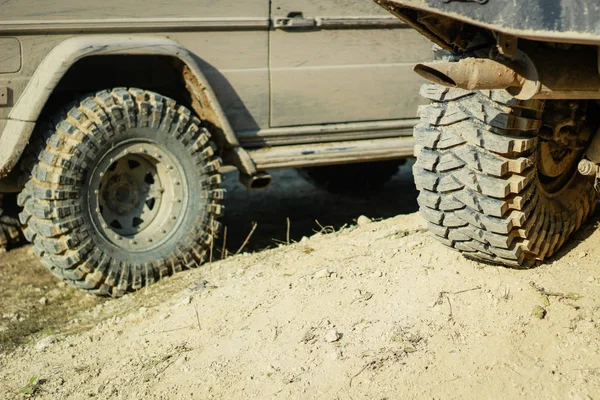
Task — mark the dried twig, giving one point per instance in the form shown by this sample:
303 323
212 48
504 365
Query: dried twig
450 305
197 316
168 330
212 242
467 290
287 235
570 296
444 294
325 229
367 365
224 248
254 225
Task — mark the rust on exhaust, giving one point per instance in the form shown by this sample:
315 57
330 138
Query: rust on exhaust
471 74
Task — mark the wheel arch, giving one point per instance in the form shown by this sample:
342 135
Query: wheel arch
61 64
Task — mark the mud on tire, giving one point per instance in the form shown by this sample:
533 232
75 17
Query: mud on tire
99 176
477 174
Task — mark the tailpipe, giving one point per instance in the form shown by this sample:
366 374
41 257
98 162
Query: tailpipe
479 74
470 74
258 181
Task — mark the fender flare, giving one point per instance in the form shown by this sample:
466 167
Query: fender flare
24 115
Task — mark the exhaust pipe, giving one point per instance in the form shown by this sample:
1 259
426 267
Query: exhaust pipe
258 181
471 74
534 72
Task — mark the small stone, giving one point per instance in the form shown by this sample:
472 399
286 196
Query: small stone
44 343
185 301
377 274
309 336
324 273
582 254
100 388
545 300
332 336
43 301
591 279
362 220
539 312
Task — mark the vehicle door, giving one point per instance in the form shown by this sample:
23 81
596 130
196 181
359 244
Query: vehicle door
341 61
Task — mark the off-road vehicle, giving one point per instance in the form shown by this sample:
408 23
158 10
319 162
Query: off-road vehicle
117 118
508 150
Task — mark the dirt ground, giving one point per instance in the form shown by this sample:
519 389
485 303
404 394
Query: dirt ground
377 310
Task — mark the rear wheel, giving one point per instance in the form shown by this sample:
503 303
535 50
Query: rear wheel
498 177
347 178
123 190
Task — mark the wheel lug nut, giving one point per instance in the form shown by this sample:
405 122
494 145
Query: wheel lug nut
119 237
164 231
97 209
169 167
96 192
149 240
173 217
133 242
101 174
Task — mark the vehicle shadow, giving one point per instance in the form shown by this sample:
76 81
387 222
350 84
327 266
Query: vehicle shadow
307 207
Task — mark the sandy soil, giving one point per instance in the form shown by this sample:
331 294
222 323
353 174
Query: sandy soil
379 310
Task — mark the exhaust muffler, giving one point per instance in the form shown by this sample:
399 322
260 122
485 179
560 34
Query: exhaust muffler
470 74
537 72
482 74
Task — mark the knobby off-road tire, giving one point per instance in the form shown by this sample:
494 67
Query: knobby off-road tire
480 188
348 178
10 228
123 190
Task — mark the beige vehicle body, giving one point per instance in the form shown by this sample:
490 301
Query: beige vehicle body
118 117
282 83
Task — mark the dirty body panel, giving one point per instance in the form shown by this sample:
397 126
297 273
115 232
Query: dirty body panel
275 84
232 49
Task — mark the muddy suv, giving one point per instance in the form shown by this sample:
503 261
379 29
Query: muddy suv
116 119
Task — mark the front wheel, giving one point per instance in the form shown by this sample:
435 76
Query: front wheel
123 190
498 177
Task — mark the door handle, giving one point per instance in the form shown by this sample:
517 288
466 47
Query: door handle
294 21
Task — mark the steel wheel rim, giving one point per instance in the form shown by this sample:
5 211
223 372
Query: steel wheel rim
138 195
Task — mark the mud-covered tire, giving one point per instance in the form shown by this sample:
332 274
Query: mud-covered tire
62 212
479 186
349 178
10 228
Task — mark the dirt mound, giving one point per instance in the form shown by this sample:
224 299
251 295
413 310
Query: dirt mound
380 310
